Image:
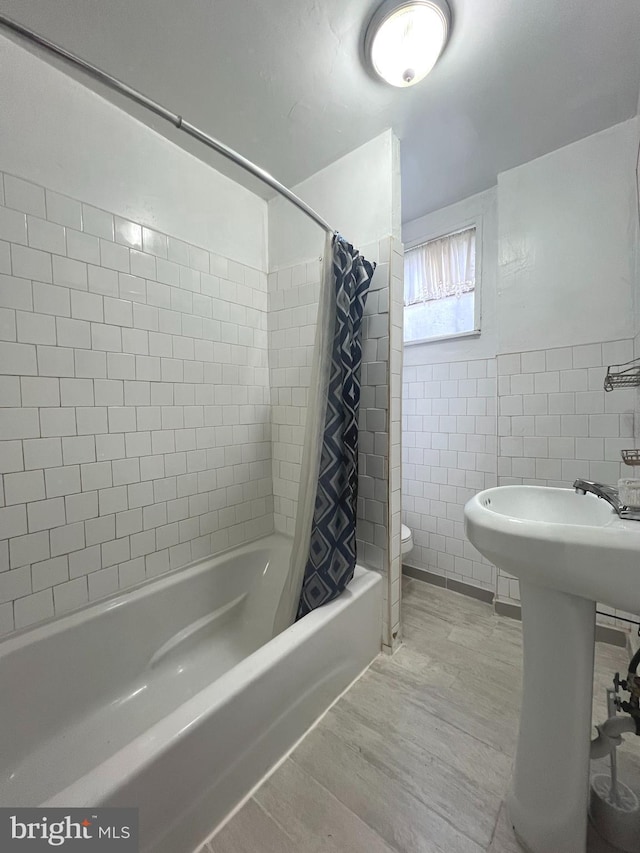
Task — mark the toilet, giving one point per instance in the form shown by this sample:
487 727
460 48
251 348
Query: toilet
406 540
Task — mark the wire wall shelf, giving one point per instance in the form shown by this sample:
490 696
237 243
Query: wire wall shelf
626 375
630 457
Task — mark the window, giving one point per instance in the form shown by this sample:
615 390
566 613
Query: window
440 288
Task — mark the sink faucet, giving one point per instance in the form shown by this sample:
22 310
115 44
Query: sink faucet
610 495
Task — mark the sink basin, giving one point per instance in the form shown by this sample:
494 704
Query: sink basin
568 551
557 538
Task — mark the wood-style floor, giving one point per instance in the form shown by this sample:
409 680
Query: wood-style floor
417 756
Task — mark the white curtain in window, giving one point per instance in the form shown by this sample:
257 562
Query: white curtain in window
439 268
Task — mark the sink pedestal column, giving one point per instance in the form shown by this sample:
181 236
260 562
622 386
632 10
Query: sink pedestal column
550 792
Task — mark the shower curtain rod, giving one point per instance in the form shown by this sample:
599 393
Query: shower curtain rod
163 112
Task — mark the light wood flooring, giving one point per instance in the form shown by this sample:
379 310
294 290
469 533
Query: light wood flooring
417 756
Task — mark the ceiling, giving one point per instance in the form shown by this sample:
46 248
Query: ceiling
283 82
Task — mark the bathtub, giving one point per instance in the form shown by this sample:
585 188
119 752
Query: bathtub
174 697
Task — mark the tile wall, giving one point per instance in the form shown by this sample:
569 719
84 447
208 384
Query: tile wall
373 533
373 500
556 423
449 454
538 417
134 403
293 306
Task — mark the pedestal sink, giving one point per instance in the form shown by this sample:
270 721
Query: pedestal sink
568 551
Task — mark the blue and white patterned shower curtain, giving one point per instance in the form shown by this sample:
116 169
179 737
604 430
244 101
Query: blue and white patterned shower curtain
332 547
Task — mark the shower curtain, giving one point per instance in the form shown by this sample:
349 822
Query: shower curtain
324 549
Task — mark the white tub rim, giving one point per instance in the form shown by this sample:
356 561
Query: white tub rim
56 624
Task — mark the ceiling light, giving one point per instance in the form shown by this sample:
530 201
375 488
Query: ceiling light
405 39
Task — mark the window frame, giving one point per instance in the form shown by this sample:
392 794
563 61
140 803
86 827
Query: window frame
439 233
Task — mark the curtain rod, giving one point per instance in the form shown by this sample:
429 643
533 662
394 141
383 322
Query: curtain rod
163 112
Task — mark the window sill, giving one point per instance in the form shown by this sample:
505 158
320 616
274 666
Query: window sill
474 333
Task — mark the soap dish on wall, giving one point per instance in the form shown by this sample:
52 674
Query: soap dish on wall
630 457
626 375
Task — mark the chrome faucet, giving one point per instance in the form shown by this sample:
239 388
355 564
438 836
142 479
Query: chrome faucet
610 495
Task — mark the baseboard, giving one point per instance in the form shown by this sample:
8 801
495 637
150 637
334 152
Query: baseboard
507 608
455 586
471 591
604 633
612 636
424 575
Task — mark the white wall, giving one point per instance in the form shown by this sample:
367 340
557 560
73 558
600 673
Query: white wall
63 136
559 250
358 195
567 243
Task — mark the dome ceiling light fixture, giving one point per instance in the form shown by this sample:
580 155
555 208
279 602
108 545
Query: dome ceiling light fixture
405 38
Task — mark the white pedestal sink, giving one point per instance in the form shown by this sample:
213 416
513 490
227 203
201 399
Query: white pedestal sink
568 552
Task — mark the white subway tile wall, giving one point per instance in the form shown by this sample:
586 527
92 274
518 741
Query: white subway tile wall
376 482
449 454
373 463
541 418
135 431
293 309
293 306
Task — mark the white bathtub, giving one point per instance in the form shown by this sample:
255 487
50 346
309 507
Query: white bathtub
174 697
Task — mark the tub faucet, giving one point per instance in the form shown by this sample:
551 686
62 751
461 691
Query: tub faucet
610 495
